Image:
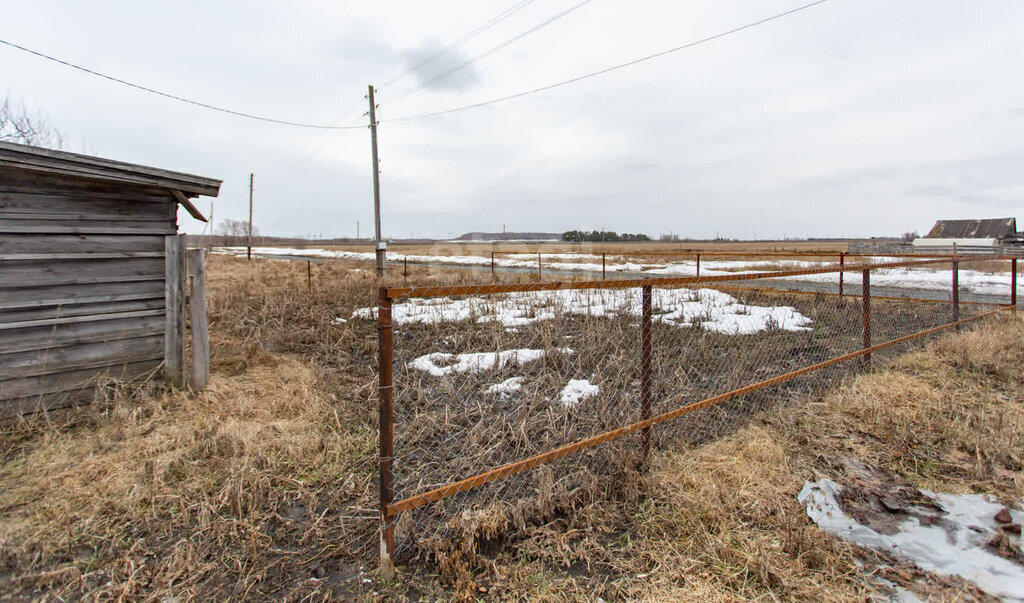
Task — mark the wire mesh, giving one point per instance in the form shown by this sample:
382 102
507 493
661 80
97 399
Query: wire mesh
512 402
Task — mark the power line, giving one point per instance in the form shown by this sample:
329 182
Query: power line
613 68
508 12
508 42
179 98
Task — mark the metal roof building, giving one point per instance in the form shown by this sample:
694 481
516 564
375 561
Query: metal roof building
1003 230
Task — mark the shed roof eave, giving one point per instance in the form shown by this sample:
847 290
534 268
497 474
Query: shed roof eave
38 159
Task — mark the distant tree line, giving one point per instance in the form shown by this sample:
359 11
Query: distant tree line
600 236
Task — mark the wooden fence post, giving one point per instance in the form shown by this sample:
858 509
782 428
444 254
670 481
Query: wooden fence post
174 310
197 315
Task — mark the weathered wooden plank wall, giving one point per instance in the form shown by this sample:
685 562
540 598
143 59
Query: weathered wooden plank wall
82 285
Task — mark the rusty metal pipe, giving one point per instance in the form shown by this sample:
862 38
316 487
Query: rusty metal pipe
1013 283
866 318
646 373
385 397
842 261
956 292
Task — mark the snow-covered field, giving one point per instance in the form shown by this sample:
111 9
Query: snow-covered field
709 309
950 543
935 279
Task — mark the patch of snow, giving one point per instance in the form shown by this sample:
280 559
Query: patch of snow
440 364
339 321
710 309
577 390
954 545
506 387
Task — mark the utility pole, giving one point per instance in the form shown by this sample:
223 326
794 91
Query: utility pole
357 231
248 249
381 246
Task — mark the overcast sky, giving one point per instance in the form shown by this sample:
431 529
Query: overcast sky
852 118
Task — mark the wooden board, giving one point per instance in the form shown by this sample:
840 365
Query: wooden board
197 319
77 310
32 404
81 356
41 338
50 205
80 243
68 294
70 380
174 305
35 273
65 226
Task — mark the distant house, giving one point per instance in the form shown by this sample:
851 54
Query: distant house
989 233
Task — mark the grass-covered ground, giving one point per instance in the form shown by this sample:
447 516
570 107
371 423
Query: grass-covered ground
263 486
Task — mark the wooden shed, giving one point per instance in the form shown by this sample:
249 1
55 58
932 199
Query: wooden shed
83 272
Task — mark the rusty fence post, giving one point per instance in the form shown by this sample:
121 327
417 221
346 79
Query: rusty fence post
698 265
866 306
405 267
603 266
385 396
493 276
646 376
309 276
1013 283
540 270
956 293
842 262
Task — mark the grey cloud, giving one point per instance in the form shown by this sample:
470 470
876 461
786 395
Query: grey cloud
465 78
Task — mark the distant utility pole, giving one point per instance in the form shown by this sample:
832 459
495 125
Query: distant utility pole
213 225
357 231
248 249
381 246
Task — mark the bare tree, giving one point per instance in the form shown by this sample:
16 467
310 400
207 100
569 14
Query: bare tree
17 124
236 228
909 236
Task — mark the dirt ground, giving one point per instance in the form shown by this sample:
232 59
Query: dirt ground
262 487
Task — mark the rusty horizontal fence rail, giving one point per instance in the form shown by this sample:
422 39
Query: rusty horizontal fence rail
755 254
451 489
920 300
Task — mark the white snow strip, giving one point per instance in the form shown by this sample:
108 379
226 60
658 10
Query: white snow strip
440 364
932 278
954 545
707 308
576 390
339 321
506 387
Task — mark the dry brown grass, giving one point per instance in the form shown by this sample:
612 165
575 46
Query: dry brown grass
721 522
262 487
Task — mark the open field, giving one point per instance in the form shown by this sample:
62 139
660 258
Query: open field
486 247
263 486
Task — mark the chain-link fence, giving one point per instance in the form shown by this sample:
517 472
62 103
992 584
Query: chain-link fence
501 404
